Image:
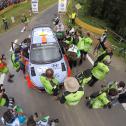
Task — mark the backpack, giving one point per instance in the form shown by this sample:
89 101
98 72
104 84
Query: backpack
9 116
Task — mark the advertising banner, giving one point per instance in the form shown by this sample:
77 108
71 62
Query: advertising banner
34 4
62 6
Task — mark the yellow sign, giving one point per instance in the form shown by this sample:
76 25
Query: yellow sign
78 6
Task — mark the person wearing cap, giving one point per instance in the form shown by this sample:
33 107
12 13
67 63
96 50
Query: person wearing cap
84 46
49 82
73 54
4 69
73 92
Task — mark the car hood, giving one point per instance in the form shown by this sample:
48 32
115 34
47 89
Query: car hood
59 72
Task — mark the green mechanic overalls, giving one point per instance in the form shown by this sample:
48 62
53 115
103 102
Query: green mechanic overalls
100 101
74 98
85 44
2 101
49 85
100 71
16 64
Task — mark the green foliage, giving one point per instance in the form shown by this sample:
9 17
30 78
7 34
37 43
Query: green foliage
112 11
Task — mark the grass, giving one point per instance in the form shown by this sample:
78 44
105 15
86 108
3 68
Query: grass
19 9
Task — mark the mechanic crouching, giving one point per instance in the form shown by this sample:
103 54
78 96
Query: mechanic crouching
102 99
17 60
49 82
4 100
73 92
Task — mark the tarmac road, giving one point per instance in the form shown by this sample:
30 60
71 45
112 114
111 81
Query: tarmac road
34 101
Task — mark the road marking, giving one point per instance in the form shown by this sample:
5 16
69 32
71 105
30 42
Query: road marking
2 77
15 41
124 105
92 62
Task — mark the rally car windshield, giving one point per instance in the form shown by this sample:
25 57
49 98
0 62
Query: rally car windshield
45 54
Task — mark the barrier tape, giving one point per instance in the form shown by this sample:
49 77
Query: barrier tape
89 27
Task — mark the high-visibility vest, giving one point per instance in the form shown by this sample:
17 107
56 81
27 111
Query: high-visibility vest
3 67
2 101
73 15
74 98
48 85
85 44
100 101
100 71
16 64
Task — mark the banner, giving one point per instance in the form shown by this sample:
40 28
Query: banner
62 6
34 4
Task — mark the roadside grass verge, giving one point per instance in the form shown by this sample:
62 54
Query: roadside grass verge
21 8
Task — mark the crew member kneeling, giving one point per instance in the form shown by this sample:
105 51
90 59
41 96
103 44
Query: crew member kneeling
73 92
50 83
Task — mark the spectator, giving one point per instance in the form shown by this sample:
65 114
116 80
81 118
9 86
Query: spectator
5 23
4 69
24 20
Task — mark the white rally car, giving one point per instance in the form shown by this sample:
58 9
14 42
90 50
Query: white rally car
44 53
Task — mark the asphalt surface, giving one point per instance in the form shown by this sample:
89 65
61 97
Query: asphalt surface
34 101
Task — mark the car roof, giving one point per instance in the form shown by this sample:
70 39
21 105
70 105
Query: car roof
39 32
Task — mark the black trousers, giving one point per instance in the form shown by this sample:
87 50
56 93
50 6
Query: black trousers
5 25
122 98
73 21
83 56
92 81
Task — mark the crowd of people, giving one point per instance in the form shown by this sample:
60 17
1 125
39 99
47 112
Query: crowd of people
75 45
6 3
24 21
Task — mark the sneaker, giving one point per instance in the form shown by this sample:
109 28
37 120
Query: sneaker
1 86
10 81
12 75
